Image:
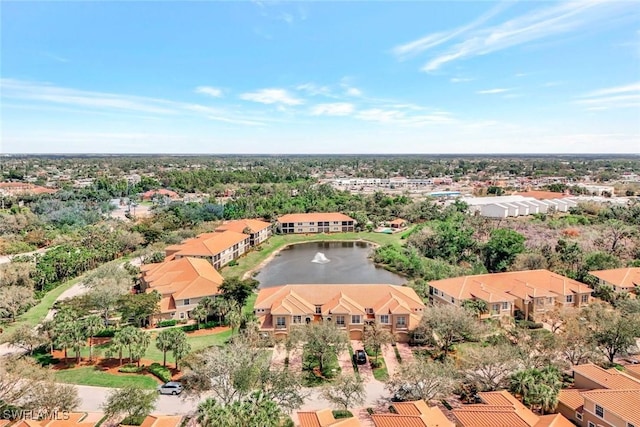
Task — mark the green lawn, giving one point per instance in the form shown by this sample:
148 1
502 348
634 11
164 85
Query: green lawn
381 373
91 376
275 242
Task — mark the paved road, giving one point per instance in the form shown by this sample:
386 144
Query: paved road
92 399
7 258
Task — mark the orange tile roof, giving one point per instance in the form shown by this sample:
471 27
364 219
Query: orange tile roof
553 420
239 226
498 287
181 278
398 221
608 379
488 417
211 243
314 217
163 192
162 421
74 419
623 403
302 299
324 418
633 370
571 398
412 414
621 277
504 398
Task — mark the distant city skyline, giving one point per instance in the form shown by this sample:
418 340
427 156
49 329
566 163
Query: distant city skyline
315 78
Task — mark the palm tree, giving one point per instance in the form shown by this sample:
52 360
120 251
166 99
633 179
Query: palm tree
199 313
127 337
234 318
521 383
92 325
77 338
47 330
118 344
163 343
140 345
180 347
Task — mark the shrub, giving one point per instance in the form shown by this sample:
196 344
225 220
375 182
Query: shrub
395 349
130 369
529 324
163 373
106 333
133 421
166 323
342 414
370 411
232 263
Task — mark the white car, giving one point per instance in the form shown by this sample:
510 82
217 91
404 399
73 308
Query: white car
172 387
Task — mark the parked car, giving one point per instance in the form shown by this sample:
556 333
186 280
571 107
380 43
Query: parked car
360 357
172 387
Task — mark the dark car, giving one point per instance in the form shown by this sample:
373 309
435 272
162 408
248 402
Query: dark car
171 387
360 357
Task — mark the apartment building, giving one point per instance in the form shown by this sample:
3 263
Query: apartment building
619 279
324 418
181 283
532 292
258 231
417 414
501 409
321 222
396 308
219 248
601 398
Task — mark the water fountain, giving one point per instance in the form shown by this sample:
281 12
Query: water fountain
320 258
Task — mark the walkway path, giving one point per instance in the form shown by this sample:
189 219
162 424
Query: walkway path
7 258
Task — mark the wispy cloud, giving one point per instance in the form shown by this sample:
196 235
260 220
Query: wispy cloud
271 96
561 18
55 57
208 90
38 94
314 89
400 117
334 109
460 79
432 40
626 96
493 91
352 91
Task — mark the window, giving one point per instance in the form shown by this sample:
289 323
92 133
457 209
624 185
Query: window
579 416
591 424
569 298
187 301
384 318
496 307
505 306
299 223
318 309
181 315
584 298
453 300
297 319
540 301
600 411
369 310
340 320
356 319
401 322
280 322
312 223
312 229
631 425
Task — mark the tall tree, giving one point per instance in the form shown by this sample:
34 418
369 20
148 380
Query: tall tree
374 337
422 380
502 248
323 340
235 289
133 402
164 340
92 325
347 391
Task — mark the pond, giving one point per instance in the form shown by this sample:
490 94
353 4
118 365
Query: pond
325 262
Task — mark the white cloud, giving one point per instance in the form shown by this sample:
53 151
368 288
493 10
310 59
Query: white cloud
544 22
335 109
432 40
314 89
493 91
626 96
208 90
271 96
460 80
352 91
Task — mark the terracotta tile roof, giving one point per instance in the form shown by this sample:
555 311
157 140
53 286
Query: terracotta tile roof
161 421
488 417
239 226
398 221
314 217
181 278
621 277
504 398
571 398
27 423
302 299
74 419
633 371
211 244
553 420
498 287
623 403
412 414
607 379
163 192
324 418
4 423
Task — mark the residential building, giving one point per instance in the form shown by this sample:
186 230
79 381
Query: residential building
601 397
396 308
501 409
258 231
181 283
532 292
414 414
620 279
324 418
217 248
162 421
320 222
160 194
56 419
398 223
21 188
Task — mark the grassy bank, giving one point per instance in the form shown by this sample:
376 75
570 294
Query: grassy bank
93 377
276 242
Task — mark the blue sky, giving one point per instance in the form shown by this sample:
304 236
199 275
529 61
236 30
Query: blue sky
328 77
